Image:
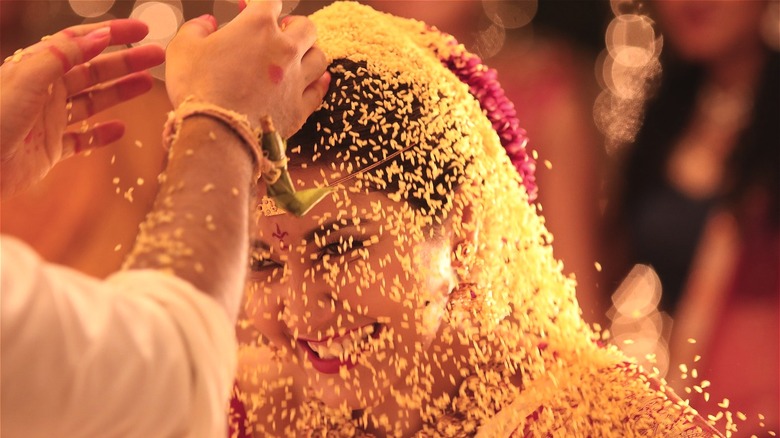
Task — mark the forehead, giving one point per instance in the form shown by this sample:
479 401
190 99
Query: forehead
348 201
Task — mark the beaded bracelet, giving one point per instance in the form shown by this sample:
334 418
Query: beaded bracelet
239 123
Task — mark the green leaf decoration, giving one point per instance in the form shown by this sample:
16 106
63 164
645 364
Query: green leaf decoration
277 178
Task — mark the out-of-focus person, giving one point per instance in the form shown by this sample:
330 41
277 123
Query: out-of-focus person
698 201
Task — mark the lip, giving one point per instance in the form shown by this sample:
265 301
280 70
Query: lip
332 366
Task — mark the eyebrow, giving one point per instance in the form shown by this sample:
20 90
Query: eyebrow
324 229
319 231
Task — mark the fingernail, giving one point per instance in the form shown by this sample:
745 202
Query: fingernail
286 21
99 34
93 43
241 5
210 18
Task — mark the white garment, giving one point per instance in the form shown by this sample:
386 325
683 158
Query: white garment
141 354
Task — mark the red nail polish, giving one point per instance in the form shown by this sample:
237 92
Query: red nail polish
286 20
210 18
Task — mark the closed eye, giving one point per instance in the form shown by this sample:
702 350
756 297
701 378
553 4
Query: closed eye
260 258
344 247
261 264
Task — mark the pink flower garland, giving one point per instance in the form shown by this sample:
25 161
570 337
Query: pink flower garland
483 85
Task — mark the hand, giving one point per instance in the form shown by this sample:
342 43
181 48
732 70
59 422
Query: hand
51 86
252 65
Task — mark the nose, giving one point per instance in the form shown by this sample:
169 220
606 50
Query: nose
307 312
307 307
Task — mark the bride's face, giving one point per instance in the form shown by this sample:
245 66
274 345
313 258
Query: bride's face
353 291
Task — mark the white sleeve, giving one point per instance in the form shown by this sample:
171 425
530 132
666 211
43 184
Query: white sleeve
141 354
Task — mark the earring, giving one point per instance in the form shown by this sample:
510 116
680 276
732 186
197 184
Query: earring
463 259
462 303
464 292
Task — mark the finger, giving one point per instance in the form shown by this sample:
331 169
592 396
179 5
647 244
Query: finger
123 30
313 64
315 92
259 11
54 57
114 65
90 137
90 102
197 28
301 30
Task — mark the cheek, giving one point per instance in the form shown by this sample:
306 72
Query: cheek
437 281
260 317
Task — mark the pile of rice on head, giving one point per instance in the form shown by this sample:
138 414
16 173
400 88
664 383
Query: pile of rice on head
413 118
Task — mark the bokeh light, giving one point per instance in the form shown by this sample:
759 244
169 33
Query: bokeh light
627 71
639 293
91 8
163 19
489 42
510 14
631 30
638 327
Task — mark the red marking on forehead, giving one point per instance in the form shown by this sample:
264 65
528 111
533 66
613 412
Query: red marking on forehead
276 73
66 65
280 235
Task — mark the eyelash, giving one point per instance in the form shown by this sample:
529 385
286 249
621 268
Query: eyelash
339 249
262 261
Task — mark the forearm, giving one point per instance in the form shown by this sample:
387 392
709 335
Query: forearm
198 227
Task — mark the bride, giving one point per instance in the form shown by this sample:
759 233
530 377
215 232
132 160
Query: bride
421 297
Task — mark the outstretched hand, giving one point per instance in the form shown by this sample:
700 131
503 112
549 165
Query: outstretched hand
51 88
254 65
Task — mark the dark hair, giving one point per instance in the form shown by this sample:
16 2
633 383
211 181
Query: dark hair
364 120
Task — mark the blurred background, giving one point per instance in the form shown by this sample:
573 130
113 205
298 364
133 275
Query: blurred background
656 129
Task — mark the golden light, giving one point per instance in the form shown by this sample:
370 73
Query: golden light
637 327
163 19
626 71
639 293
489 41
510 14
631 30
91 8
